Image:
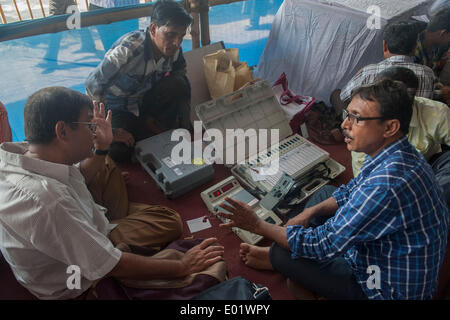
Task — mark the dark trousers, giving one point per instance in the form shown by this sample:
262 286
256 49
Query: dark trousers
332 278
440 163
166 106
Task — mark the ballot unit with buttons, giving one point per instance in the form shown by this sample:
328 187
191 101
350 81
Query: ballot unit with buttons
231 188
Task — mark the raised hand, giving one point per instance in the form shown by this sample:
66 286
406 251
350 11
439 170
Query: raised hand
242 215
103 131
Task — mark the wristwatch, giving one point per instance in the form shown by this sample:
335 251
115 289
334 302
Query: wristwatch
101 152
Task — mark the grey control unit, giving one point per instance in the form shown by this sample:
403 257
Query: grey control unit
154 154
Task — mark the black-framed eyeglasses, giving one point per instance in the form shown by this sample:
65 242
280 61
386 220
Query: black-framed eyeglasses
354 119
91 125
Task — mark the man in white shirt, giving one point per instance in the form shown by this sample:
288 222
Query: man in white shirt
49 222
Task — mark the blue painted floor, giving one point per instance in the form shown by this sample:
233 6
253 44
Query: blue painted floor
66 58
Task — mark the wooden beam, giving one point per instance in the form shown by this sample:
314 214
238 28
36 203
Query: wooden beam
195 30
57 23
220 2
204 25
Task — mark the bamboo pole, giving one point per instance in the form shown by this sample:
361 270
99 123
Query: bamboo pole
3 15
17 10
195 30
29 9
204 25
42 8
87 5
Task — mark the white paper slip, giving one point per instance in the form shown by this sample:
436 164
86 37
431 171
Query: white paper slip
198 224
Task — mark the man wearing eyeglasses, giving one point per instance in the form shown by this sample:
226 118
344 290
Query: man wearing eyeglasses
143 79
429 130
49 220
381 236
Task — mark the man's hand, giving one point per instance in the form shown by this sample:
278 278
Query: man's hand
201 256
103 131
242 216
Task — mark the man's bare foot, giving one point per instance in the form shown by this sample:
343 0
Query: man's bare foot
255 257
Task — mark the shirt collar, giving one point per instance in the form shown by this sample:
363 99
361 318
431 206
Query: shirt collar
414 119
370 163
148 50
400 58
13 158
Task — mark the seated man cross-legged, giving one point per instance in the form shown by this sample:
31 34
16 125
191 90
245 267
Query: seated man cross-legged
49 219
143 79
381 236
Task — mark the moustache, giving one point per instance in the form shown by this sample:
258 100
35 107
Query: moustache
346 134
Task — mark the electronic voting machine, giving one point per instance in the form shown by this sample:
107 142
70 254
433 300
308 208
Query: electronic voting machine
231 188
154 154
299 162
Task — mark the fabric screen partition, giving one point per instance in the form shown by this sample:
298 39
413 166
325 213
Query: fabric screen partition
320 44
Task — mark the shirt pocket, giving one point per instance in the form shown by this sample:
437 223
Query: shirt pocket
129 83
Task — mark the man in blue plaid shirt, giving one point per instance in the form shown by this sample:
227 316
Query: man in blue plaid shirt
383 235
142 79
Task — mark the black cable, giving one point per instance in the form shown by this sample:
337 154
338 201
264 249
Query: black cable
317 172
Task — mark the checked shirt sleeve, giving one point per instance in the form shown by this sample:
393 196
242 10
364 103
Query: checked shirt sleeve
369 214
104 74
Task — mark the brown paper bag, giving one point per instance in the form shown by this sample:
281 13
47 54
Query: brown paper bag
224 73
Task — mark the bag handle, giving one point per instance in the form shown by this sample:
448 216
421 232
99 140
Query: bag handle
282 79
287 97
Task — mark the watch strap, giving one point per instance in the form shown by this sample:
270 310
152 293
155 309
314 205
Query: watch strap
101 152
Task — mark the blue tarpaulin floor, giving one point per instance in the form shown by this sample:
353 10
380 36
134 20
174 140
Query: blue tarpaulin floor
66 58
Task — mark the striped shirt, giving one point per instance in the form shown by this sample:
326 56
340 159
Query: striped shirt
392 216
368 74
129 70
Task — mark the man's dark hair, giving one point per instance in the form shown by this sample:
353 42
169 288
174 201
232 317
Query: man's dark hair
393 98
440 21
405 75
169 12
46 107
401 37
